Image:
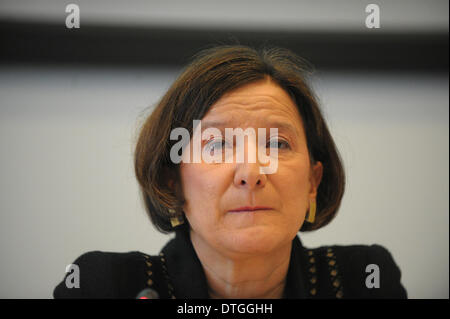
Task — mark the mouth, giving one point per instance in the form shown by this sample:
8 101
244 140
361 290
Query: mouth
249 209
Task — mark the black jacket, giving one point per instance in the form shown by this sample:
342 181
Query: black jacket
325 272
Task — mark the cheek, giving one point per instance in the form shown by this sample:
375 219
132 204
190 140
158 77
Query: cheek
202 189
293 188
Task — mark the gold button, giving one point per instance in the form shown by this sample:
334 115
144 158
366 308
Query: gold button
312 270
339 294
310 252
149 282
336 283
313 291
312 260
149 264
334 272
332 263
313 280
149 273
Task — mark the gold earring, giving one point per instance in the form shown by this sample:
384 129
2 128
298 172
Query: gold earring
175 220
312 212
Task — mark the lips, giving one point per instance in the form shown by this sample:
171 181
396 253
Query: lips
249 209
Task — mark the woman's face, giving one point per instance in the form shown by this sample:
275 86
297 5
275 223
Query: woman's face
213 190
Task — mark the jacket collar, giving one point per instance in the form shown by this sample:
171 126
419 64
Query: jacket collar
189 281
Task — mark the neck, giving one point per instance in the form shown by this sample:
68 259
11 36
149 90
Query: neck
243 276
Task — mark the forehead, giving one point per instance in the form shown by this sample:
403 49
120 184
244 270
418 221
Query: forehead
258 103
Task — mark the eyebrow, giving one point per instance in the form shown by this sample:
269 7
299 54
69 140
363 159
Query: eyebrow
284 126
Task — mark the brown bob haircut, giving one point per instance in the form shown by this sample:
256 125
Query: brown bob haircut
212 73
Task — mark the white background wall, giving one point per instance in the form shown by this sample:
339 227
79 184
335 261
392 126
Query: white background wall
67 183
67 136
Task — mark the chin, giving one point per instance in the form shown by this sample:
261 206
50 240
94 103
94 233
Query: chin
254 240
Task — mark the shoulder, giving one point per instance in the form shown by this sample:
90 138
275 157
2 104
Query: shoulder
360 271
98 274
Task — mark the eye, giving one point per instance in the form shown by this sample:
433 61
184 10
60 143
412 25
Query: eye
278 143
215 146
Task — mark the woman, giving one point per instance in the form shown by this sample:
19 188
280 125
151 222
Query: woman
236 221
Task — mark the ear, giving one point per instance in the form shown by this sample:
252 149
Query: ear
169 177
172 181
315 178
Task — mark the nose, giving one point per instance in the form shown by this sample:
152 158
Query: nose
248 176
247 172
